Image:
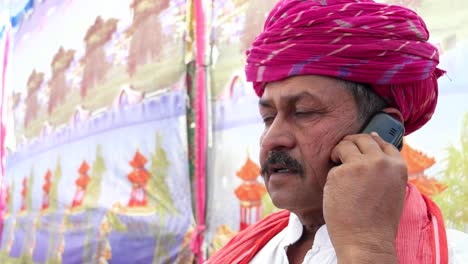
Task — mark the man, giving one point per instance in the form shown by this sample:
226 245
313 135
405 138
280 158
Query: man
322 69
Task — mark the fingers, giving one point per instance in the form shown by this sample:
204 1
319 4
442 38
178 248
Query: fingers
385 146
354 146
345 151
366 143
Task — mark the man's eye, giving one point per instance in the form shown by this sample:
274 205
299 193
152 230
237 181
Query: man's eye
303 113
267 120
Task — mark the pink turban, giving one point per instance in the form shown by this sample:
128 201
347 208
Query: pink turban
382 45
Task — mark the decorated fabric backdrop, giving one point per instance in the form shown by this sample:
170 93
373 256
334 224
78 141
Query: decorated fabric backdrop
97 166
98 162
236 194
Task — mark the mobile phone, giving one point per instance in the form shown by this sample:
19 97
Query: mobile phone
388 128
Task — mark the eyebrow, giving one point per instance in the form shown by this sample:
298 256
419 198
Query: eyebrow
289 99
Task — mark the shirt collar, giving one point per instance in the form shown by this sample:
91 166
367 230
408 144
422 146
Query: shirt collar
294 231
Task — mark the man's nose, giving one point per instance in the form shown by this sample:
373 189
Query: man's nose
278 136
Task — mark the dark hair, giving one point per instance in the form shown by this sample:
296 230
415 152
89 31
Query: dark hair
367 101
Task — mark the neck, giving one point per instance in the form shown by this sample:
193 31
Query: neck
312 221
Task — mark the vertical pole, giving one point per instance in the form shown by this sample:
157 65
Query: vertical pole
200 126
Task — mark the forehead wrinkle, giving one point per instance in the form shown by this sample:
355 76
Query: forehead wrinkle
289 99
310 89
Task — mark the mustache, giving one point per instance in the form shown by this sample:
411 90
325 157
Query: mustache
281 158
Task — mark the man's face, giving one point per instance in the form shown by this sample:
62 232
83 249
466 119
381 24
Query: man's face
305 117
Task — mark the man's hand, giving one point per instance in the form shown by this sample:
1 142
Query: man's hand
363 199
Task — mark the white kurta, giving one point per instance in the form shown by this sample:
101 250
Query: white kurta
322 251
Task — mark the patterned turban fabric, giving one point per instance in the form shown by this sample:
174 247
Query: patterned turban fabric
382 45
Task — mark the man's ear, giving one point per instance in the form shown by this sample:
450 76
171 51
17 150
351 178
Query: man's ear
395 113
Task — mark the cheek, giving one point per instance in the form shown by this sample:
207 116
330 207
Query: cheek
317 148
262 136
262 151
323 137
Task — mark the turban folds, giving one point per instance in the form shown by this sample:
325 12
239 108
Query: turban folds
382 45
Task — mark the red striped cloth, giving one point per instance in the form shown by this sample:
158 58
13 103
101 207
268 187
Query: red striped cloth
421 237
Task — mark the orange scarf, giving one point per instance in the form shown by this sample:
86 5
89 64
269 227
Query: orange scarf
421 234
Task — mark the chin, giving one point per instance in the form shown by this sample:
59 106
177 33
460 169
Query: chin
282 200
293 200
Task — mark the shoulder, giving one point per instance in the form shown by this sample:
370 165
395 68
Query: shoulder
269 225
249 241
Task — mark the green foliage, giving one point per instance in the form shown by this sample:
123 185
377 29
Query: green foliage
191 68
54 260
56 237
25 258
159 196
454 201
168 241
53 195
29 238
116 224
52 250
6 259
93 190
10 201
267 206
30 184
67 223
87 250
